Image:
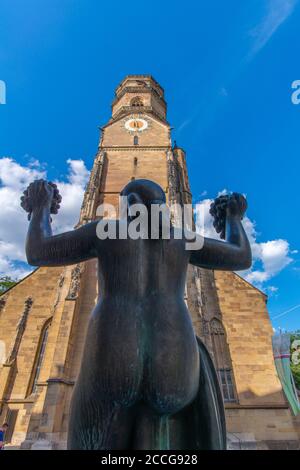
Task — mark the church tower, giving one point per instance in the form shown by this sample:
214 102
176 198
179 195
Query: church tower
135 143
43 319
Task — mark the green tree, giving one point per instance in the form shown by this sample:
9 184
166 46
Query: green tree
6 282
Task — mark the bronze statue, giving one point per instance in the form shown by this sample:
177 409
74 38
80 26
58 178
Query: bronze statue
146 381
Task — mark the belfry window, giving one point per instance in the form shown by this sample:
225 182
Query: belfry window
135 140
136 101
40 357
222 360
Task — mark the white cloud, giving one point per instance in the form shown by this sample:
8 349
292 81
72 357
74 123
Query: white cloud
277 11
14 178
204 221
257 277
272 256
72 193
272 289
223 192
269 258
275 256
78 173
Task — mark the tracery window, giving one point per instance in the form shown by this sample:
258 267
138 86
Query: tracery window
222 360
39 357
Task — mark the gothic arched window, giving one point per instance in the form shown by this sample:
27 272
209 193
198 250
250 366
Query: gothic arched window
39 357
136 101
222 360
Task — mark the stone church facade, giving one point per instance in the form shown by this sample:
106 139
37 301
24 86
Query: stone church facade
43 319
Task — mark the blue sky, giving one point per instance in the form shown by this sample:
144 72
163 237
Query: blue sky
227 69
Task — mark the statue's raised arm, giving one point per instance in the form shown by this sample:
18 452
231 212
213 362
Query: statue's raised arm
235 253
40 200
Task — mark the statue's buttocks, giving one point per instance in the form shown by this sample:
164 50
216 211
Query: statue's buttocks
143 336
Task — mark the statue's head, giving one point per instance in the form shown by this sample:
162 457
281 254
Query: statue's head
142 191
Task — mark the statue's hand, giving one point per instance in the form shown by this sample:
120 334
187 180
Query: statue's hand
228 205
237 205
41 194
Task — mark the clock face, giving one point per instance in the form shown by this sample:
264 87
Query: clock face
136 125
